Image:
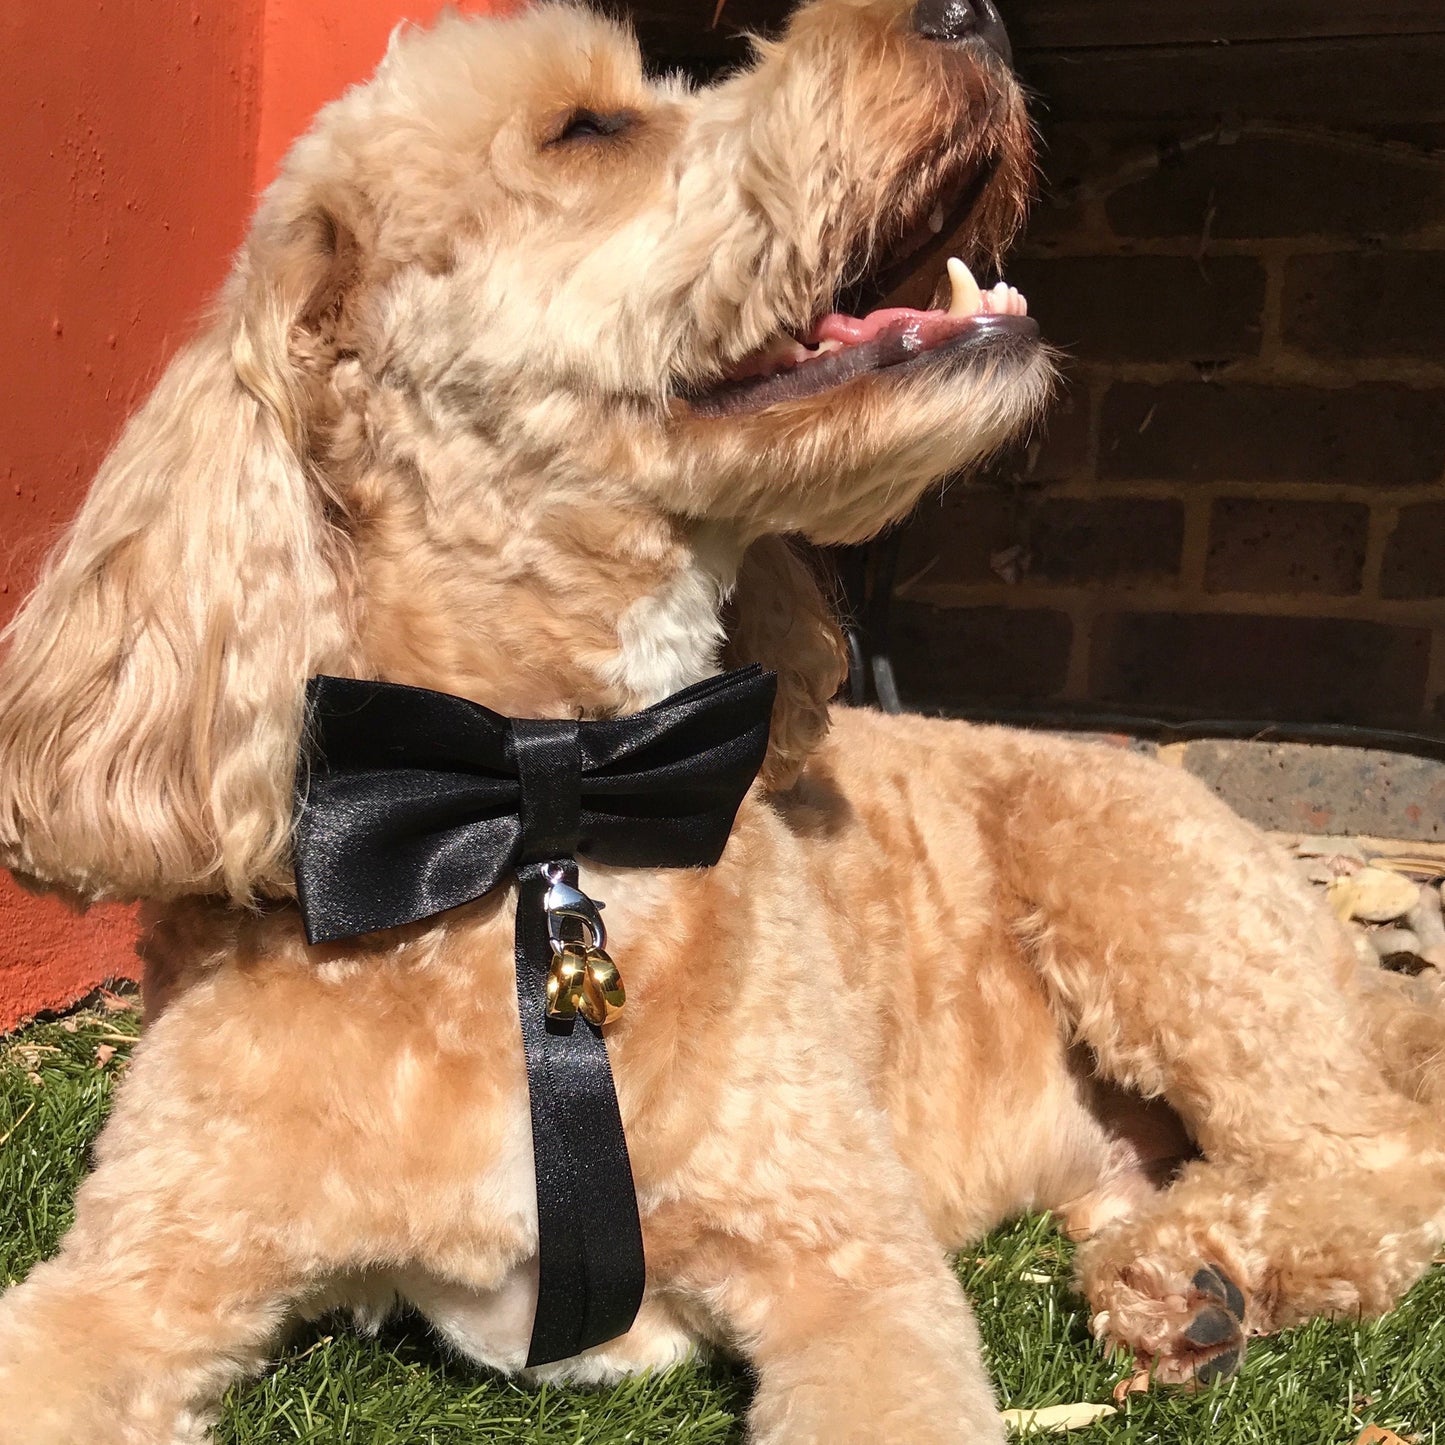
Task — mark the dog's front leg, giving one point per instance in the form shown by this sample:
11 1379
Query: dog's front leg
127 1346
866 1342
818 1264
265 1147
171 1283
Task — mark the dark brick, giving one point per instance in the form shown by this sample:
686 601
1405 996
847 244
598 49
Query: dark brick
1304 669
1090 25
1308 788
1257 546
1057 450
1375 435
1359 81
1109 539
953 538
1276 188
1389 303
1054 220
1415 554
979 534
1064 157
1061 448
1064 154
1146 308
954 657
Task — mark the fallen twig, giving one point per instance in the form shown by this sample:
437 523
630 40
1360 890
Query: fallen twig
6 1136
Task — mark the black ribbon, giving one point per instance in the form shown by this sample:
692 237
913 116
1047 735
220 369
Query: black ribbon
410 802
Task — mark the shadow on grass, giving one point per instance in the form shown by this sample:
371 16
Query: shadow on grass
334 1385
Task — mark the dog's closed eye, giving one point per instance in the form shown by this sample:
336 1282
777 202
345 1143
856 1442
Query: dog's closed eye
582 125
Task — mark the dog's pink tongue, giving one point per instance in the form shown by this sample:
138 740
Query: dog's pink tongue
926 328
851 330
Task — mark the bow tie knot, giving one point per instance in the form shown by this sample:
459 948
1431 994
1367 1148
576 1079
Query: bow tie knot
549 771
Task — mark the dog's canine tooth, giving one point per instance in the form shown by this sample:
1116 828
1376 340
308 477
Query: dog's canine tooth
966 298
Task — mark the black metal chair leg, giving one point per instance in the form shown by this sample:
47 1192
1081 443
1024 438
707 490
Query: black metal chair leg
867 574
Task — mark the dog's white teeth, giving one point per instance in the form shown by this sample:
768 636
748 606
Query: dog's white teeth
935 219
966 299
825 346
1005 300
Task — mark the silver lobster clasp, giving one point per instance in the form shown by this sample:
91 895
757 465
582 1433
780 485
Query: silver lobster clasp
563 901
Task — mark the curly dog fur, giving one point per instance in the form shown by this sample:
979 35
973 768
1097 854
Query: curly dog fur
438 431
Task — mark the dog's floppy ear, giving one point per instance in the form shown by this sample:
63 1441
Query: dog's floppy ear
150 696
780 617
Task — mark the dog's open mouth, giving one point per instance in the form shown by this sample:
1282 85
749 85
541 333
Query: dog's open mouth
840 347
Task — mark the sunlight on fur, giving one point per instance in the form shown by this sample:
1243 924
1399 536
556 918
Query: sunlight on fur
490 404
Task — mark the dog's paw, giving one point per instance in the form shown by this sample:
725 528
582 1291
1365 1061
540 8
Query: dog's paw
1211 1345
1184 1334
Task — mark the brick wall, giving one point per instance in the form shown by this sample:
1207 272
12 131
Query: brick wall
1238 509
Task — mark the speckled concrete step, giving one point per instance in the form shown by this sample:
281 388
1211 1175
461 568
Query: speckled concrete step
1315 789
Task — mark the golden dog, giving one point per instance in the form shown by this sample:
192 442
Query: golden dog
527 364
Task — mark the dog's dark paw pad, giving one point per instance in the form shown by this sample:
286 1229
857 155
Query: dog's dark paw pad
1217 1285
1209 1345
1219 1367
1212 1326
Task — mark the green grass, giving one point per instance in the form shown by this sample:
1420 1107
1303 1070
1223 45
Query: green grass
1315 1386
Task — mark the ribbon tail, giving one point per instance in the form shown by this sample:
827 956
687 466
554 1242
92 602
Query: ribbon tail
591 1270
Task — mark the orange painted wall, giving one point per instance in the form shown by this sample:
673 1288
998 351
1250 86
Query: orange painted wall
129 152
136 135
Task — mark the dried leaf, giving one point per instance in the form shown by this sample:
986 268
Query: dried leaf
1054 1419
1377 1435
1373 895
29 1056
70 1025
104 1053
1131 1385
320 1344
119 1003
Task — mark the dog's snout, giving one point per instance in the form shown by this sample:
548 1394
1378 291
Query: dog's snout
963 20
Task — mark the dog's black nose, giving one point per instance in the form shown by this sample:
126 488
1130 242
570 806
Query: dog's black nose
963 20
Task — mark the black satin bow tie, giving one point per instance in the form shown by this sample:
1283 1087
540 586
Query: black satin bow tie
412 802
